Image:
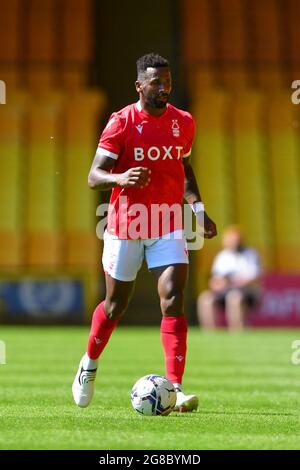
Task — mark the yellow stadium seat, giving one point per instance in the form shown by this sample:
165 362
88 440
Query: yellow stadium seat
284 171
73 77
40 77
210 153
11 77
234 76
252 188
210 162
44 183
270 77
200 77
81 112
11 184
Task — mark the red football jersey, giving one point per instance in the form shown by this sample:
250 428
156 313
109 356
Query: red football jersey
135 138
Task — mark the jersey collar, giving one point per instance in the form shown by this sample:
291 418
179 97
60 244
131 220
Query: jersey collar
140 110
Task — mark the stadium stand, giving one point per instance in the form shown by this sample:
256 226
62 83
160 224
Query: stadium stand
238 61
284 171
11 184
211 163
250 171
42 177
79 219
251 53
48 136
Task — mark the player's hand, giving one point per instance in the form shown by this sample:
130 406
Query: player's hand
137 177
210 228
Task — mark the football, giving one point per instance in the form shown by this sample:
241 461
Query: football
153 395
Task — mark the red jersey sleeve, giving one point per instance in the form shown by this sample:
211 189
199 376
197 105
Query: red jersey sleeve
190 132
111 140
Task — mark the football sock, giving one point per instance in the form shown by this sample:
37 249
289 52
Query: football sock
101 329
88 363
178 387
173 336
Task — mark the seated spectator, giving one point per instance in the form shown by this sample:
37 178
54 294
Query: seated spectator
234 284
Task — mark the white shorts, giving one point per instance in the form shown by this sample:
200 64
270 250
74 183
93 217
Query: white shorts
122 259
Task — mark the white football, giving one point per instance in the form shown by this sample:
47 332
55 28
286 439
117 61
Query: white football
153 395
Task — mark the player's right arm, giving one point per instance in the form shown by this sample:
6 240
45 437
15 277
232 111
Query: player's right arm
110 147
101 178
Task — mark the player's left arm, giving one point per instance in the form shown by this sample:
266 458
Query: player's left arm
192 196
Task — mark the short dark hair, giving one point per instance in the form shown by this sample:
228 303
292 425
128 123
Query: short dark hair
150 60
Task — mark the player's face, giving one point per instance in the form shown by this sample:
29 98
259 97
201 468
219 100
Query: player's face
156 87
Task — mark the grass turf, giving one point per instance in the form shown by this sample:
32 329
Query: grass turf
249 391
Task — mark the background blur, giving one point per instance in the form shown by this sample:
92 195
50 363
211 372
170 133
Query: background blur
67 64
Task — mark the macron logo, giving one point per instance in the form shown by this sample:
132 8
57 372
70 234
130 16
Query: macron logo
180 358
139 128
97 340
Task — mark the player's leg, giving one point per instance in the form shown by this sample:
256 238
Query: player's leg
171 281
107 314
105 319
236 309
171 284
207 310
121 261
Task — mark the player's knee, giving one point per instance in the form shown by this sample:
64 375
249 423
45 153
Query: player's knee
115 309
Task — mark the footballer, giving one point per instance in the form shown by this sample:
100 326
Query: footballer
143 157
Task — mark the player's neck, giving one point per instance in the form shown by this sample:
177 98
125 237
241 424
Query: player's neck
157 112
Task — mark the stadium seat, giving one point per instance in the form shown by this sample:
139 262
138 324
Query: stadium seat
77 19
232 34
265 20
11 77
41 28
44 182
231 44
210 160
267 42
249 164
197 34
40 77
234 76
11 184
270 76
10 31
81 247
10 35
293 31
73 77
284 172
200 77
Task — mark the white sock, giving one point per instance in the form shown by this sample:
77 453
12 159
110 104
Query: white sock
178 387
88 363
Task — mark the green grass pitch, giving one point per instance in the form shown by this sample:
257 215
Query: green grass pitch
249 391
